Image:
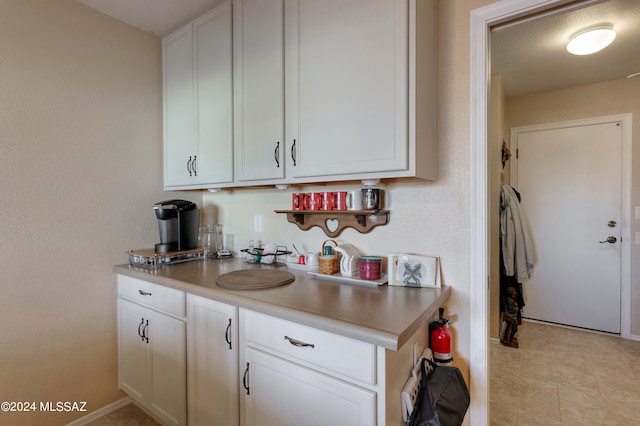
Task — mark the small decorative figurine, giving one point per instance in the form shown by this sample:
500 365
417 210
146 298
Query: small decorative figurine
510 319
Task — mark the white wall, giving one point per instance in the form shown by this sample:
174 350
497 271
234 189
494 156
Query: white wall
80 167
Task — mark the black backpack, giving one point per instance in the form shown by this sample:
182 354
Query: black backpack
443 397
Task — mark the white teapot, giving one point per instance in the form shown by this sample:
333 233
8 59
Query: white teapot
349 260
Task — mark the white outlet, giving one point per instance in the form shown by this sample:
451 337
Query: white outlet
257 223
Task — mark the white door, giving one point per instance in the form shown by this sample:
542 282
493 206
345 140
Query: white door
214 97
133 352
347 81
570 180
179 135
259 89
212 362
277 392
168 368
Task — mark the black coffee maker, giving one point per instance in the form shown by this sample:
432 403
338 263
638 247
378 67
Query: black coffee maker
178 223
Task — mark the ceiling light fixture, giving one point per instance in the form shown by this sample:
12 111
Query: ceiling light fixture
591 40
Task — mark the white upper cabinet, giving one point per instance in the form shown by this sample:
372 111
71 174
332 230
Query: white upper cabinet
323 90
198 102
359 90
179 133
347 77
259 89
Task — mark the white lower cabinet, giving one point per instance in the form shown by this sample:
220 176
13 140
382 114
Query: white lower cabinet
188 358
286 382
151 360
212 367
278 392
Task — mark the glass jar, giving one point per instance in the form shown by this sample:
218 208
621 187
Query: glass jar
212 239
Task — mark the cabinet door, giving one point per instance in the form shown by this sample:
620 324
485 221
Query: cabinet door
259 89
132 350
283 393
347 95
212 367
167 368
213 95
179 135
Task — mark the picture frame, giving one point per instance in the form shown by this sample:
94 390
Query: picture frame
413 270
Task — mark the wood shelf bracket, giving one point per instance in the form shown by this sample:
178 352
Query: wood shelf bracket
335 221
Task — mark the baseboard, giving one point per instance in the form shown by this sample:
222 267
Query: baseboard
101 412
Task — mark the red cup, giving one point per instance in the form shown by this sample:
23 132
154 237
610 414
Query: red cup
340 200
328 201
298 201
314 201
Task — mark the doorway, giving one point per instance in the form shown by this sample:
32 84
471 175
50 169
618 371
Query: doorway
574 194
481 22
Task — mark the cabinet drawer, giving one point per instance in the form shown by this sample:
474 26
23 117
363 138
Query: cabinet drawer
162 298
338 354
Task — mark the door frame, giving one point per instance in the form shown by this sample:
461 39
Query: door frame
625 205
479 78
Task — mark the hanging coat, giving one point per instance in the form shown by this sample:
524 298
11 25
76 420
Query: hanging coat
517 250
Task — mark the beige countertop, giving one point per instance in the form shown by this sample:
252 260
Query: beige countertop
382 315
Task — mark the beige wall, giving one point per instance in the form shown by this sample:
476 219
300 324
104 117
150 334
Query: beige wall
595 100
81 164
497 176
80 167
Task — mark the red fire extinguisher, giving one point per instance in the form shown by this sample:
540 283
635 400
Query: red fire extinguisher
440 339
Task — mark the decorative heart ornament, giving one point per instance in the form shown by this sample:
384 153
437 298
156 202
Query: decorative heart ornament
331 224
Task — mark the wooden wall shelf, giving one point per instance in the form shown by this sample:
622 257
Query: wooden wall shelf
333 222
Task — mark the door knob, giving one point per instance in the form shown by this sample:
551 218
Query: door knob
610 239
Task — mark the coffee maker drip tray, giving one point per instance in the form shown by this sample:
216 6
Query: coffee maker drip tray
152 260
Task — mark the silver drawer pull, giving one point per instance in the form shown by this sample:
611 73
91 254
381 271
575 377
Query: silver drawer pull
299 343
144 293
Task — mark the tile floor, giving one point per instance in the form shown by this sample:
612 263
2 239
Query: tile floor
563 376
129 415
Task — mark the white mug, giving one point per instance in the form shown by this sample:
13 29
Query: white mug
311 258
354 200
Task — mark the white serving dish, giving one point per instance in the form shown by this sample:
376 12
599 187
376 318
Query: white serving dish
351 280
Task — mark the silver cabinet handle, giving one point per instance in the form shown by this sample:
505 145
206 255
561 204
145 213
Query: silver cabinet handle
299 343
227 334
244 379
610 239
140 329
194 166
276 154
293 152
144 332
189 166
144 293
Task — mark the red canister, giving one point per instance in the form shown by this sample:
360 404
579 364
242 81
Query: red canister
370 267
